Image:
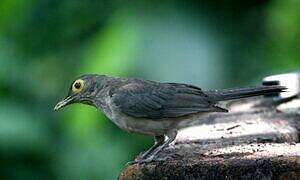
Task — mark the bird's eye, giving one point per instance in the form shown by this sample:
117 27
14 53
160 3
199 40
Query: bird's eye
78 86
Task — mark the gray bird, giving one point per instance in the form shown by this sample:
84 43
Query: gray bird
152 108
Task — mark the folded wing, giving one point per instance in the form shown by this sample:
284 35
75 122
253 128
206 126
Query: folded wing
161 100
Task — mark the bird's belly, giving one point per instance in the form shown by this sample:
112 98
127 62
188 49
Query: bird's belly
136 125
143 126
152 127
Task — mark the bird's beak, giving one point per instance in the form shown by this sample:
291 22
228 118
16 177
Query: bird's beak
63 103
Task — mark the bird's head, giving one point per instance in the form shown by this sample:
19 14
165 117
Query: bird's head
83 90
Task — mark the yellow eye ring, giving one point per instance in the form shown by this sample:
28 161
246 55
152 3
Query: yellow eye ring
77 86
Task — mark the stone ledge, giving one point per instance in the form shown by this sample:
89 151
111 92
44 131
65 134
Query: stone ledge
255 161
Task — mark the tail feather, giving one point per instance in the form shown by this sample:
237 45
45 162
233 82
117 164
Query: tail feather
229 94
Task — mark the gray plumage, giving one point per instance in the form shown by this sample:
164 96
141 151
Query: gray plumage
161 100
153 108
169 100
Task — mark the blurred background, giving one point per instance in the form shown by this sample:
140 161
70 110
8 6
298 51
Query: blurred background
46 44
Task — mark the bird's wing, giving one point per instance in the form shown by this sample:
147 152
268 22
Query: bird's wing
163 100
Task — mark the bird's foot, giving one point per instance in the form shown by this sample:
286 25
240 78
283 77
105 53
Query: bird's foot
140 161
146 160
131 163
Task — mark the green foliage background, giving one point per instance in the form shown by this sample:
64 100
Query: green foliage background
45 44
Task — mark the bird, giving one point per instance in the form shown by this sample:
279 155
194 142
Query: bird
152 108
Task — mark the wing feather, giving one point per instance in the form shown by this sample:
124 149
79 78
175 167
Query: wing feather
161 100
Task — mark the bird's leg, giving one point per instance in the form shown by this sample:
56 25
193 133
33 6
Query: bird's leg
171 135
159 140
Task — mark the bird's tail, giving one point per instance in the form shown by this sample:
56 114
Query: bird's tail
229 94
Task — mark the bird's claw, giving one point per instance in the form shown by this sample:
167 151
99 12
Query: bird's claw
145 161
140 161
130 163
